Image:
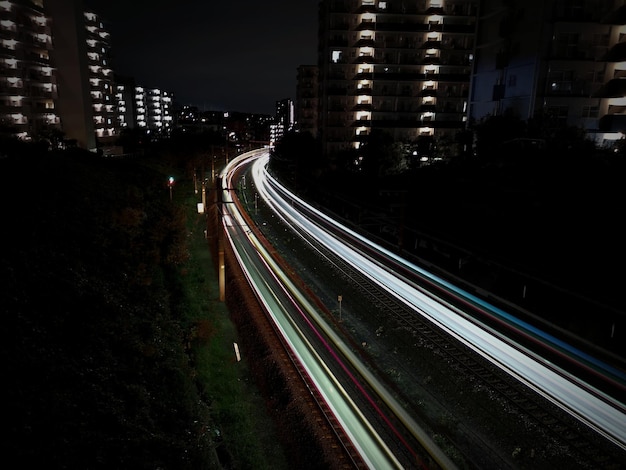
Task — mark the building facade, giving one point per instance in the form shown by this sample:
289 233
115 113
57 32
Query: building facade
402 68
284 120
28 79
56 72
306 103
101 79
153 110
561 59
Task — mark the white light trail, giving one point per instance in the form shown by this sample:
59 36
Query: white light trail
602 413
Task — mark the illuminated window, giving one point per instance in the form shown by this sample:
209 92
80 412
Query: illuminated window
336 56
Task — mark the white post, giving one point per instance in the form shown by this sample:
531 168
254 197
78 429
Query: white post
340 298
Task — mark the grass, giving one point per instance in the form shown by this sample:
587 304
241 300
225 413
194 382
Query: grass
243 428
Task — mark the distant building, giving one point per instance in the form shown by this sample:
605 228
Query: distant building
153 110
101 79
402 68
423 71
28 80
284 120
307 102
56 72
562 59
125 102
247 128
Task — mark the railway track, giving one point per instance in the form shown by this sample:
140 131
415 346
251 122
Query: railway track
588 447
579 439
343 454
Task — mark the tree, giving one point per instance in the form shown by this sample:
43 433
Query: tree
298 156
382 156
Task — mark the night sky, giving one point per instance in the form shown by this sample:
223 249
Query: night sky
231 55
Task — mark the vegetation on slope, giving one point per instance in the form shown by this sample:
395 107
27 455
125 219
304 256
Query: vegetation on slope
118 355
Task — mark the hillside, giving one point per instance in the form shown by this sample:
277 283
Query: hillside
117 354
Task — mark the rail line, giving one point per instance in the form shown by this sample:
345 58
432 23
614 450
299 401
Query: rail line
539 406
277 295
514 392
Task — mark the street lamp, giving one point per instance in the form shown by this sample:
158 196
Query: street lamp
170 183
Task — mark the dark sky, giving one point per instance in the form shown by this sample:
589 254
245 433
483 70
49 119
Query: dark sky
235 55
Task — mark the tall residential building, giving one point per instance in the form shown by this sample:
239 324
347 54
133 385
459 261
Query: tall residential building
562 59
56 72
28 79
124 101
306 103
74 102
153 110
284 119
402 68
101 79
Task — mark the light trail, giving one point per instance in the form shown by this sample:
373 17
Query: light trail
601 412
281 300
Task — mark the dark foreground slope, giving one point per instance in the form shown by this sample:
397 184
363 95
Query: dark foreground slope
116 353
97 376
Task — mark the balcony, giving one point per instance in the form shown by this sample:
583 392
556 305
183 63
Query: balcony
616 54
431 45
365 42
363 137
430 91
367 9
427 108
435 11
366 25
365 59
366 90
431 60
613 123
615 88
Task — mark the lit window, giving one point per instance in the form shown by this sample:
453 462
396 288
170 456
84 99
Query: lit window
336 56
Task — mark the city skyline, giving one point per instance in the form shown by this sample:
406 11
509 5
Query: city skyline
230 56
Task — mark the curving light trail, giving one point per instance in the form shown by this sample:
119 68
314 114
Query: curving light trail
596 409
284 302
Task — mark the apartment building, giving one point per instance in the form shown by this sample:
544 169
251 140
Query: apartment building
153 110
284 120
74 70
402 68
28 80
306 103
421 71
56 72
562 59
125 102
101 79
